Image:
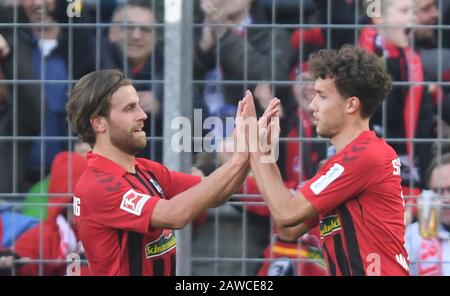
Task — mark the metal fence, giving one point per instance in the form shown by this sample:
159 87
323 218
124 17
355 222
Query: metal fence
230 240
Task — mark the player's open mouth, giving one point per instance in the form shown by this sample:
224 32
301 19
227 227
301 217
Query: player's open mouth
138 130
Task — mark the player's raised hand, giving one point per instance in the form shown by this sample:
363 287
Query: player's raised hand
249 110
271 117
265 140
240 149
272 112
269 131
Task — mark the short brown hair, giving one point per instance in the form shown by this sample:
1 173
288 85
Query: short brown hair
356 72
91 97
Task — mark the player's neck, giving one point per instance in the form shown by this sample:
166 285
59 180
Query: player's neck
348 134
111 152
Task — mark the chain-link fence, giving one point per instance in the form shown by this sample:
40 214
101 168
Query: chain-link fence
202 55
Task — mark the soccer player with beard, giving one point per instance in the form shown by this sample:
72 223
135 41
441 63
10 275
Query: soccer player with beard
126 208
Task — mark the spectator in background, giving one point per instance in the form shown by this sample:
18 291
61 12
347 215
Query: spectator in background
412 102
298 169
426 254
432 52
44 53
28 117
288 11
435 55
22 237
338 12
303 257
143 60
427 13
239 52
446 111
59 172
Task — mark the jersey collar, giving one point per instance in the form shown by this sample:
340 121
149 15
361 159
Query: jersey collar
102 163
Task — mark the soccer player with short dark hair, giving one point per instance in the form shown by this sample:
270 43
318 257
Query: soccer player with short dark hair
356 195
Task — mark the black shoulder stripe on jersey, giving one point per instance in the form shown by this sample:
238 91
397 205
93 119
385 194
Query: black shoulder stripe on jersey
341 258
129 182
331 265
156 179
141 180
351 240
135 253
134 248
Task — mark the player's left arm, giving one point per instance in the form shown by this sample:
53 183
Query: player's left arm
287 210
292 233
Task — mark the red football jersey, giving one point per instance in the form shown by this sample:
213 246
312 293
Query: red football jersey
113 211
361 209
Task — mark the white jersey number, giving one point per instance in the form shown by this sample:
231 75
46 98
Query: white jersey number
76 206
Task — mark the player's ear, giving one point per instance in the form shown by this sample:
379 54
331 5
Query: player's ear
98 123
353 104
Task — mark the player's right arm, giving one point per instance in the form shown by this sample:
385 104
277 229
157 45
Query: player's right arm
116 203
187 205
113 202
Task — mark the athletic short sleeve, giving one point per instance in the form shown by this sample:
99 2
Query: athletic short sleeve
340 179
117 205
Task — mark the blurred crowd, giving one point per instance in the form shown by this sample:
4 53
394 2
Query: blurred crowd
261 45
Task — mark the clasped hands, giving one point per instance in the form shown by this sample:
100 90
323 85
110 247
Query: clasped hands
253 138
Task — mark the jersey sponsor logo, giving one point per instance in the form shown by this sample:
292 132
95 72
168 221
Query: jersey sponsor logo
166 242
333 173
133 202
328 225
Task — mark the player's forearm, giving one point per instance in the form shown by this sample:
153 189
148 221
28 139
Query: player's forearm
293 232
190 203
282 205
233 186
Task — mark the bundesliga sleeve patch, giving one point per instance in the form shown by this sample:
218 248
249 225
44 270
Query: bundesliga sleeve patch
333 173
133 202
